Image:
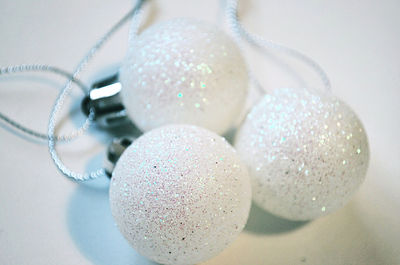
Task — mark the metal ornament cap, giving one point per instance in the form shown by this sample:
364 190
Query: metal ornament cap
104 99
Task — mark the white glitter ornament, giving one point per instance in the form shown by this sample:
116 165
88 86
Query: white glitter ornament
184 71
180 194
307 153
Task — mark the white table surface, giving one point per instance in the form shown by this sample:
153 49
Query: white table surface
47 219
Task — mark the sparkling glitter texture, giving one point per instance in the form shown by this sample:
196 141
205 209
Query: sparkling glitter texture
180 194
307 152
184 71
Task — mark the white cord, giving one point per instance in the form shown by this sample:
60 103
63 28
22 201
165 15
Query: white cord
240 32
66 90
42 68
236 27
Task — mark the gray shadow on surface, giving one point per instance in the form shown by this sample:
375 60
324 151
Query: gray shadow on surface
92 227
230 135
263 222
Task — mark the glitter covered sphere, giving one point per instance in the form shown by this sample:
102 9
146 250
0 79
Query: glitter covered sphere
184 71
180 194
307 153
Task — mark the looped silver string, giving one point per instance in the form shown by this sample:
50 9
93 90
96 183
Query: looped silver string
240 32
43 68
236 27
135 13
12 69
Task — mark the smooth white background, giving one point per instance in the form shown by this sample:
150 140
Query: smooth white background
47 219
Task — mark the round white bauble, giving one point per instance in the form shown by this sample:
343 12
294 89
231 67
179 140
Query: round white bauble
307 153
184 71
180 194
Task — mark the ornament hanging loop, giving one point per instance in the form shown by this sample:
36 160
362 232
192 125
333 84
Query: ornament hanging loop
241 33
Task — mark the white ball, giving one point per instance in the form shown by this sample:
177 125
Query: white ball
180 194
184 71
307 153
